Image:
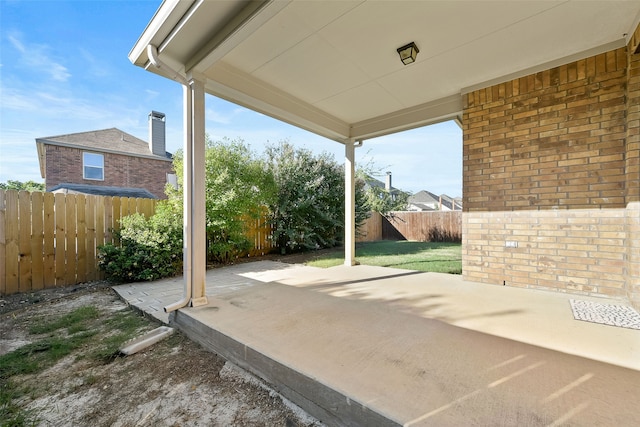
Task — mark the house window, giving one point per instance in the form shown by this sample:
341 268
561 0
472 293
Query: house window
93 166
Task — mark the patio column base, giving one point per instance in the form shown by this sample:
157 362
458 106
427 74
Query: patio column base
197 302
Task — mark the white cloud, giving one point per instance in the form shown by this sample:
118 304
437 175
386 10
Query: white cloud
219 116
36 57
152 94
17 43
94 66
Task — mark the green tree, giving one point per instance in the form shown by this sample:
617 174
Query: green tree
308 212
26 186
237 188
379 199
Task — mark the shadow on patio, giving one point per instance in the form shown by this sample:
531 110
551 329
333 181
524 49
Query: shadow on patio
379 346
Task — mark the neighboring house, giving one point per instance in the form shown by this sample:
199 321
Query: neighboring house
371 182
427 201
108 162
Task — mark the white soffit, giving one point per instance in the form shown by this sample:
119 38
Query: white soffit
332 67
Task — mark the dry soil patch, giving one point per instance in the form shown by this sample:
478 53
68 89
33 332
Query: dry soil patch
173 383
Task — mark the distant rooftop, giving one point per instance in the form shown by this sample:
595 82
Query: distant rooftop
111 140
103 191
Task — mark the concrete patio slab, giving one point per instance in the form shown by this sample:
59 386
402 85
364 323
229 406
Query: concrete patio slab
378 346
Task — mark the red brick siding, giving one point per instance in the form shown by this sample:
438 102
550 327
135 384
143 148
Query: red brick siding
64 165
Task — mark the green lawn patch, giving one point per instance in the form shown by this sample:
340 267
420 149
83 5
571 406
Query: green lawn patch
421 256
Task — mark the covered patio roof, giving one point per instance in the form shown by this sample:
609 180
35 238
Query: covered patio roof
332 67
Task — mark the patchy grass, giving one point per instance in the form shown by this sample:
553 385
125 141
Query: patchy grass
421 256
124 325
10 413
74 321
84 332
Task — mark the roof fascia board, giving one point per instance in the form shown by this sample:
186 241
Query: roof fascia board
441 110
100 150
238 87
607 47
41 158
632 30
168 15
250 19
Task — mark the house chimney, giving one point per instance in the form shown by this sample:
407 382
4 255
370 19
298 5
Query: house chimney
387 184
157 134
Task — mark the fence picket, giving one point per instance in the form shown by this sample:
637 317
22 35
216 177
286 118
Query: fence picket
60 239
92 265
116 212
3 243
81 239
70 248
49 255
108 220
12 242
24 236
37 240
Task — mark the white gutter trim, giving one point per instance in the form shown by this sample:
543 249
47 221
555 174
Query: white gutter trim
152 52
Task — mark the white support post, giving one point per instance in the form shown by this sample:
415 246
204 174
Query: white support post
193 185
350 204
199 248
194 193
187 194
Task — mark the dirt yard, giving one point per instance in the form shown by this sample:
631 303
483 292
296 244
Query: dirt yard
173 383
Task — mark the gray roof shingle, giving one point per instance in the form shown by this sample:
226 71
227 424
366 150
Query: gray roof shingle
109 140
99 190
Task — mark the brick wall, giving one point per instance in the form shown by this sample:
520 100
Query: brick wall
633 170
64 165
549 165
550 140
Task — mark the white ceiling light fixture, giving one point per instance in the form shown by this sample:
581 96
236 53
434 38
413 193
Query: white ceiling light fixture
408 53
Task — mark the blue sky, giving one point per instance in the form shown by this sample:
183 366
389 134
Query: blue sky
64 69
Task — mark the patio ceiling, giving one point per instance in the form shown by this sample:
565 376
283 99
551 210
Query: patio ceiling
331 67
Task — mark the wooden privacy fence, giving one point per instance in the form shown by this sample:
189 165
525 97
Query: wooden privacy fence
49 240
259 232
428 226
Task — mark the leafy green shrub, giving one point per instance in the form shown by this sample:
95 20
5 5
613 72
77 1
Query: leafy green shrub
308 212
149 249
237 188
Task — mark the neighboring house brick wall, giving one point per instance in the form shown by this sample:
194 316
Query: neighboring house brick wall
64 165
546 164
